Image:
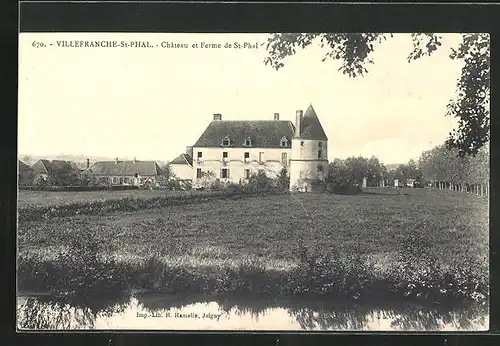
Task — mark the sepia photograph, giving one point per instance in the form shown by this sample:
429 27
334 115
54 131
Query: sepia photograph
253 181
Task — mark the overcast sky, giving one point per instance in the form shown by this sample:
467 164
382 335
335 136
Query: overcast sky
151 103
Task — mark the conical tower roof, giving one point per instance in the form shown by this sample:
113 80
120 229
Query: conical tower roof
311 127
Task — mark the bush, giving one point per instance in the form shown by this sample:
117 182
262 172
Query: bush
80 270
216 185
259 183
235 188
341 187
283 180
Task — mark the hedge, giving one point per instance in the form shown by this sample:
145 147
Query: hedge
78 188
34 213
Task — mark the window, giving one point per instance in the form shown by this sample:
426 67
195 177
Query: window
261 157
198 173
247 155
284 158
302 143
320 145
226 141
200 154
224 173
246 173
320 154
284 142
224 154
121 181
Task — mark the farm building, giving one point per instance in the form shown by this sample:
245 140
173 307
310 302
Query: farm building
132 172
233 150
26 174
182 166
57 172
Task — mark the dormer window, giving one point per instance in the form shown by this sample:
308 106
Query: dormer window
248 142
226 141
283 142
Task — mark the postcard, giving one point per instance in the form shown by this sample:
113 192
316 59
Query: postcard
253 181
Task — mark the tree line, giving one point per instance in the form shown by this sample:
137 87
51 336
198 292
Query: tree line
439 167
444 168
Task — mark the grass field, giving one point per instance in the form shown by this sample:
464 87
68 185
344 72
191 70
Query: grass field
449 226
383 244
50 198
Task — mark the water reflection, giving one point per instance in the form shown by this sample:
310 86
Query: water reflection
67 312
170 312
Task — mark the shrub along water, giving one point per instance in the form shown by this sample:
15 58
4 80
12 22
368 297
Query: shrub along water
83 270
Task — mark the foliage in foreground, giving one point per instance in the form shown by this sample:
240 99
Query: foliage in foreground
354 50
82 271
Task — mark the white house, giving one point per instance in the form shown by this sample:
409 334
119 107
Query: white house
182 165
234 149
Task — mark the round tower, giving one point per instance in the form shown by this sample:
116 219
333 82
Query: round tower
309 157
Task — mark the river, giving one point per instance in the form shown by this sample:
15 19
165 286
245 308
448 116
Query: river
169 312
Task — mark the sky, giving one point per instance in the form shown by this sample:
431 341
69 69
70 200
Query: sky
150 103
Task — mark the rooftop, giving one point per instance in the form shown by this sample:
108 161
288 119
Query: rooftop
124 168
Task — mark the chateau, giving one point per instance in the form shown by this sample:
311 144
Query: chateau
233 149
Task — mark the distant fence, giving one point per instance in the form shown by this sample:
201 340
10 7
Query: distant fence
79 188
477 189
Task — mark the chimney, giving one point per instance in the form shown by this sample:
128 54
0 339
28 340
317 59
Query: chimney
116 160
135 160
276 116
217 117
298 122
189 151
88 163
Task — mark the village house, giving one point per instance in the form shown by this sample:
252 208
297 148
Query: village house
182 166
233 149
26 174
55 172
132 172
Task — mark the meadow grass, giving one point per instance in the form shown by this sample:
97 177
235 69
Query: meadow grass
54 198
410 244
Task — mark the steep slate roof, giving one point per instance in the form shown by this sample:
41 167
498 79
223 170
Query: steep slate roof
311 127
263 133
51 167
182 159
125 168
24 167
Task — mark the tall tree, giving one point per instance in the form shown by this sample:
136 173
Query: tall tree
471 105
441 164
